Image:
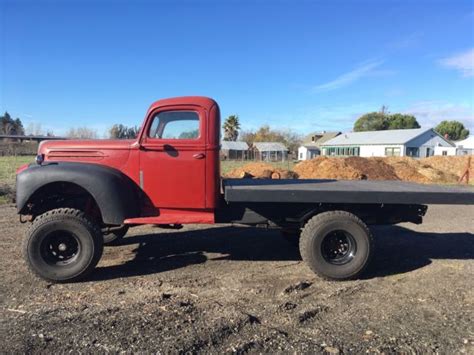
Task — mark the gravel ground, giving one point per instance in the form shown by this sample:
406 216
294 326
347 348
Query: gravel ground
234 289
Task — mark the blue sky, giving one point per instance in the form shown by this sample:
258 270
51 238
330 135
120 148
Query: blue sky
302 65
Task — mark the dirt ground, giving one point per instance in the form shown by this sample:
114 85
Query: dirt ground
236 289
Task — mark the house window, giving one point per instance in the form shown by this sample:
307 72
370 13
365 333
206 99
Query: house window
392 152
413 152
341 151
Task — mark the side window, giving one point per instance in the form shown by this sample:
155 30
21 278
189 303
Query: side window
175 125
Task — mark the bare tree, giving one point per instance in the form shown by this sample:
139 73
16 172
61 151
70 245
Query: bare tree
34 129
81 133
119 131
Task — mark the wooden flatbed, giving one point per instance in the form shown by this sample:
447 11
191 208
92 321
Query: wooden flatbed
345 191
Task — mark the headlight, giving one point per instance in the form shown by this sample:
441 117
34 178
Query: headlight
39 159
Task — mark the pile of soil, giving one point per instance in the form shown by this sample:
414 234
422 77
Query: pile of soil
353 168
432 170
261 171
449 164
407 169
445 170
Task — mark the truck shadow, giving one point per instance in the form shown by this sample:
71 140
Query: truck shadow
398 250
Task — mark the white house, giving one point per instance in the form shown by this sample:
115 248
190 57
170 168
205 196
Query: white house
306 152
419 143
312 144
464 147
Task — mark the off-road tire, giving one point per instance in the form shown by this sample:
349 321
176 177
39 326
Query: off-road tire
114 237
50 227
314 239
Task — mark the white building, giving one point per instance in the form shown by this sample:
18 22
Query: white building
312 144
419 143
306 152
464 147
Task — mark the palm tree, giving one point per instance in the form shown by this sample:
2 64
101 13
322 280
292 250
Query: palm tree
231 128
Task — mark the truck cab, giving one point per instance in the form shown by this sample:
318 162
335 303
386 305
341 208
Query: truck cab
173 163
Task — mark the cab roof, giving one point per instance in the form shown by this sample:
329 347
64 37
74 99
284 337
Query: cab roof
202 101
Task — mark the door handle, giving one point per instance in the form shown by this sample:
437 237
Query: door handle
199 155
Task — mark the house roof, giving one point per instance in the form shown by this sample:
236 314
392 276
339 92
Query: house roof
310 146
229 145
323 137
467 143
393 136
270 146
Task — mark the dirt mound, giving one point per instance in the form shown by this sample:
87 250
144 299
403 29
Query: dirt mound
405 168
261 171
372 169
326 168
422 170
438 169
430 170
452 165
353 168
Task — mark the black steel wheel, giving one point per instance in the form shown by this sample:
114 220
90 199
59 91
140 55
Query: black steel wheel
62 245
336 245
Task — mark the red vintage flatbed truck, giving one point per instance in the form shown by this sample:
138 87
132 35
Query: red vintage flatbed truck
81 195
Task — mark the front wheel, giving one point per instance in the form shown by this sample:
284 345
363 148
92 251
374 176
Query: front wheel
336 245
62 245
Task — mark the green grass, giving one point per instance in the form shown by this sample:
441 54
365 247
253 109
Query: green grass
8 166
228 165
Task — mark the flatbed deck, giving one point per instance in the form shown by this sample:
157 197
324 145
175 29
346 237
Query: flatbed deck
345 191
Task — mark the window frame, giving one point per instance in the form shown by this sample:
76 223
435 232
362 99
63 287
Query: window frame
392 150
154 116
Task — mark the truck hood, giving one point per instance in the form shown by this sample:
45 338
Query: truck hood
101 151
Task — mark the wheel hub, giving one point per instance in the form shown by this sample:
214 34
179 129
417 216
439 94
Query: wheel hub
338 247
60 248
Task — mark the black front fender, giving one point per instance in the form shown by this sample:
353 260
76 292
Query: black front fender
114 192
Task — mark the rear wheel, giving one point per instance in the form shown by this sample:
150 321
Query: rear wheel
336 245
62 245
115 236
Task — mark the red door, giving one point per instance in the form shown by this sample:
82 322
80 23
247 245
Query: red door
173 158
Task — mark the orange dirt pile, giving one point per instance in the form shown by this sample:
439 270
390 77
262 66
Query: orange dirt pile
454 165
419 170
261 171
353 168
429 170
